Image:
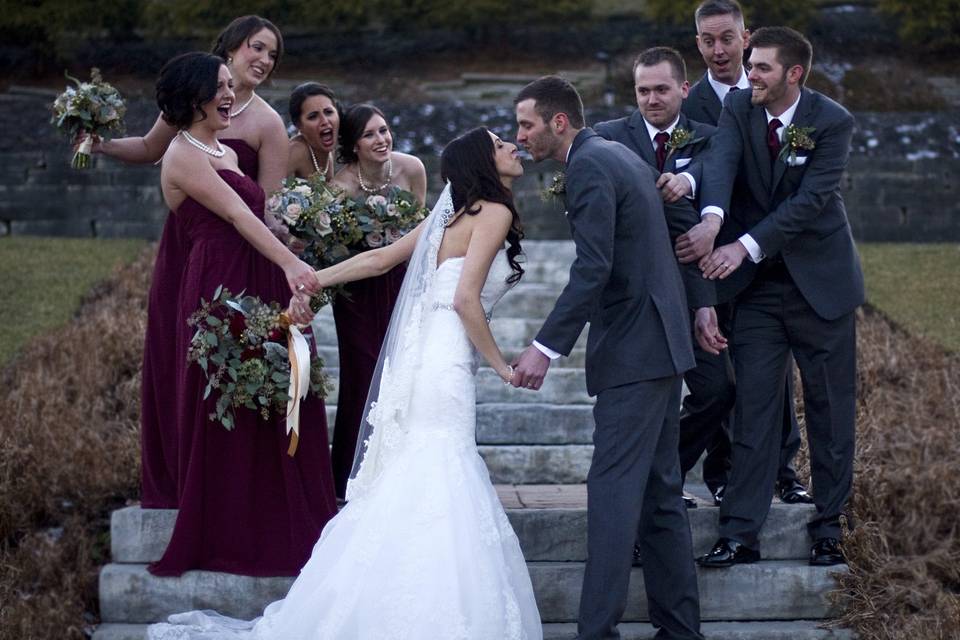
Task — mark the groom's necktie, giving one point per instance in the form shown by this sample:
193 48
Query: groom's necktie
661 140
773 140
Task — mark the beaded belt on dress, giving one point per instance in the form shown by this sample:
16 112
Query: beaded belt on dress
449 307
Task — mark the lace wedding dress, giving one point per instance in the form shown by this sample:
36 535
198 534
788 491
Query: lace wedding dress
423 550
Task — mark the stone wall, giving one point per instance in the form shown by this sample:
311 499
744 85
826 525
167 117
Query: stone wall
901 183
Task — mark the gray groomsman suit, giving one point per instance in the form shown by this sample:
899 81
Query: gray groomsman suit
800 299
626 284
711 384
703 105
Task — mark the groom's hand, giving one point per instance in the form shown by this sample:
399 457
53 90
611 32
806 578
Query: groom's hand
530 369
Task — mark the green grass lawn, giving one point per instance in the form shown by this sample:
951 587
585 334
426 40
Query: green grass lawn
43 280
917 286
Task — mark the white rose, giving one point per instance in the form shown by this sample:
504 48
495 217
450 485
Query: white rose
392 210
293 211
323 223
374 239
304 189
374 201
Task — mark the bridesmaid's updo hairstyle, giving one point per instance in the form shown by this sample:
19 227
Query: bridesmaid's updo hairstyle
186 83
468 164
307 90
352 124
240 31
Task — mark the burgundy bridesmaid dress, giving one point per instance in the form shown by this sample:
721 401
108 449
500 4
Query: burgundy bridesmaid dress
158 431
362 321
245 506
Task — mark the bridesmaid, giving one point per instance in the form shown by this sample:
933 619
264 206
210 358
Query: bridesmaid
245 506
253 47
315 112
371 168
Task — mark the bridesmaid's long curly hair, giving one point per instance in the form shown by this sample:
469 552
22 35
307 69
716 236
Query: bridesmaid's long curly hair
467 163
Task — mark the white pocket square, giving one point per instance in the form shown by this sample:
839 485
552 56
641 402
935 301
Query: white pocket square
796 161
682 162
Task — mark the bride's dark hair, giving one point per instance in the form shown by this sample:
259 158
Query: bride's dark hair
467 163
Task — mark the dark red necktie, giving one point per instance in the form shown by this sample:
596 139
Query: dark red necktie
773 140
661 140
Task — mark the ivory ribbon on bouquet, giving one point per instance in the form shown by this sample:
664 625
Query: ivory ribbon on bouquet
299 353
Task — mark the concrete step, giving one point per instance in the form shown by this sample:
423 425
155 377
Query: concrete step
774 590
765 630
550 521
560 387
523 424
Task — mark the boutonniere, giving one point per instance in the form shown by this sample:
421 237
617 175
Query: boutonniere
679 139
557 189
796 139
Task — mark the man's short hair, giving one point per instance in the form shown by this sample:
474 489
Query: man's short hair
656 55
554 95
710 8
792 47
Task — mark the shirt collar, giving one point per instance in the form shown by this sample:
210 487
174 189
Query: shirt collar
786 117
722 89
652 131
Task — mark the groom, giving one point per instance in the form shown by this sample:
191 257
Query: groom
626 283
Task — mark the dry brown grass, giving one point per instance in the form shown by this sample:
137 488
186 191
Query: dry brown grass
904 557
69 452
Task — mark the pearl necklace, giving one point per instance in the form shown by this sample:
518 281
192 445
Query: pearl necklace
234 114
316 165
374 190
216 153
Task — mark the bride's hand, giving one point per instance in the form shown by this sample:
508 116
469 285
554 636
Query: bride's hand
299 310
302 278
506 373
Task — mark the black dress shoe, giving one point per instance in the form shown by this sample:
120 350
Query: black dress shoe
689 501
726 553
637 562
826 552
718 494
794 492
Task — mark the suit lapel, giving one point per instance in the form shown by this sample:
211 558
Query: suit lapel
711 103
641 139
758 140
800 119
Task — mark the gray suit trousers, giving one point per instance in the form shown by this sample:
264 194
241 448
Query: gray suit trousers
634 484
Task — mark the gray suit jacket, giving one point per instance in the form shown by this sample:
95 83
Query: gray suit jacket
624 280
702 103
793 212
632 132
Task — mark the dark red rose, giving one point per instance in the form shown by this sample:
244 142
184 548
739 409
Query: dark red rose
251 353
237 325
275 335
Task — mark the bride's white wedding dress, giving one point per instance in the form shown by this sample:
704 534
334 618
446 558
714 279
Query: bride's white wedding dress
424 551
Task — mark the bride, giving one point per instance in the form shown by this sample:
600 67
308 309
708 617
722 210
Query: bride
423 548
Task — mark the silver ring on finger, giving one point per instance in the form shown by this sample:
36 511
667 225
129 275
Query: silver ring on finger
301 287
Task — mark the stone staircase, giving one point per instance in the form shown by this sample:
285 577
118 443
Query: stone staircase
537 447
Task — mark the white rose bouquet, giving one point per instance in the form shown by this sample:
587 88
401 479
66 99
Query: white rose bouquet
91 110
384 220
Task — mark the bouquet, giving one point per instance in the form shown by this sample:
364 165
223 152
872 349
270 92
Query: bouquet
92 109
319 215
255 358
385 219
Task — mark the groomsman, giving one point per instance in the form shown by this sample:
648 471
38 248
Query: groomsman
721 39
660 82
786 251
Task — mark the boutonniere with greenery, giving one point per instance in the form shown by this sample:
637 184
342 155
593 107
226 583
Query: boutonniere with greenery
557 189
796 139
679 139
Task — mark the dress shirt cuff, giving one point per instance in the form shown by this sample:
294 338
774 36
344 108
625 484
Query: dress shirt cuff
717 211
753 249
693 184
547 351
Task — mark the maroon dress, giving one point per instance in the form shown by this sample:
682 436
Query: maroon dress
362 321
245 506
158 419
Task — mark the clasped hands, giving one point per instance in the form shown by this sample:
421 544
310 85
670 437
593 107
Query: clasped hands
304 283
697 245
528 369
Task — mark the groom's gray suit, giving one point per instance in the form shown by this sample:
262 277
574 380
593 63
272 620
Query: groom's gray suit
625 282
